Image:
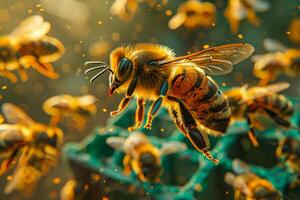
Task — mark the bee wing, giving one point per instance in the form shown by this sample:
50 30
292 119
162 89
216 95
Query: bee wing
273 45
32 28
177 20
118 7
258 92
116 142
172 147
87 100
217 60
15 115
260 5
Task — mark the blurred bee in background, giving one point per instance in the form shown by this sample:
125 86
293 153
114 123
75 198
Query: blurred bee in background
238 10
288 152
193 14
32 146
152 72
248 185
77 109
281 60
28 46
247 103
68 190
294 31
124 9
142 156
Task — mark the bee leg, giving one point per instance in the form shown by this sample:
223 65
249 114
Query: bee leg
194 135
139 115
12 77
125 101
251 133
7 162
126 165
281 121
45 69
174 115
55 120
23 74
156 105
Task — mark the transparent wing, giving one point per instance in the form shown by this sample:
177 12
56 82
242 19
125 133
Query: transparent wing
116 142
176 21
215 60
32 28
261 5
87 100
273 45
118 7
15 115
172 147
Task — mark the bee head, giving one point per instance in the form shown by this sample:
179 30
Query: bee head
121 75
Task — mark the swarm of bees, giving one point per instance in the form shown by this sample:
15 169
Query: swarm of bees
193 14
142 156
77 109
28 46
31 146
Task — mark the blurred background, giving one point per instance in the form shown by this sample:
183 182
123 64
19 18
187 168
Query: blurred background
89 32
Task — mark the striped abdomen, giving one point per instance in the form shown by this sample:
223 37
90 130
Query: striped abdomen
202 98
274 102
10 139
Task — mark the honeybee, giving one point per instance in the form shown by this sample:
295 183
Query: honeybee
251 187
288 151
77 109
281 60
142 156
28 46
124 9
193 14
238 10
181 84
246 102
35 146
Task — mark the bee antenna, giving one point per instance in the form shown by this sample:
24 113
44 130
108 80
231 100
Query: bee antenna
99 74
94 68
94 62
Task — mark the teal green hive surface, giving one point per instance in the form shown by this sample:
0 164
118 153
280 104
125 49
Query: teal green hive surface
187 175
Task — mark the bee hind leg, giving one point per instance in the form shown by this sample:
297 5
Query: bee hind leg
251 133
9 75
156 105
194 135
125 101
139 115
175 116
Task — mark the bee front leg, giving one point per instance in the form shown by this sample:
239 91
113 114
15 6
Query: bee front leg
125 101
156 105
139 115
198 139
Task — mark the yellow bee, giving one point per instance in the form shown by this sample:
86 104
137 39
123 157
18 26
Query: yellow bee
181 84
35 146
281 60
288 151
67 106
193 14
124 9
246 103
27 46
142 156
238 10
249 186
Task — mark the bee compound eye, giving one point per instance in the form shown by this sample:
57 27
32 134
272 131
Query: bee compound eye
124 68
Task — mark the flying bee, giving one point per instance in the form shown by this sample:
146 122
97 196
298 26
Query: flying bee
238 10
246 102
124 9
251 187
280 60
28 46
193 14
35 146
181 84
67 106
142 156
288 151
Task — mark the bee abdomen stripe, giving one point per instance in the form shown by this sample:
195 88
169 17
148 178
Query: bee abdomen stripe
212 90
219 107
